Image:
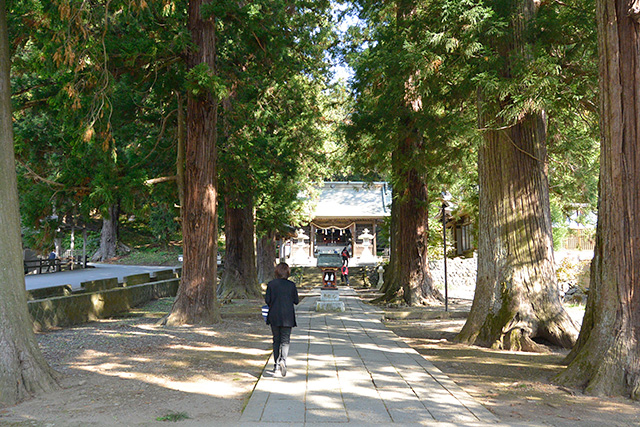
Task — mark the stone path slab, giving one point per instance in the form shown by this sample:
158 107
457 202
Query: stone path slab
347 368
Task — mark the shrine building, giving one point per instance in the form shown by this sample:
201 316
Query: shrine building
343 214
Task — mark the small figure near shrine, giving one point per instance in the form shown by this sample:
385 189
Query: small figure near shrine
380 276
345 275
345 255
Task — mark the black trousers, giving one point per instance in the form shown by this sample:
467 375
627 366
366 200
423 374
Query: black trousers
281 340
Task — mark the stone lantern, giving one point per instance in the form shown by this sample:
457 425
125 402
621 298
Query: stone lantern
366 257
300 254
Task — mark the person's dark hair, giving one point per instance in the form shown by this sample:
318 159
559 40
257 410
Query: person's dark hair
282 271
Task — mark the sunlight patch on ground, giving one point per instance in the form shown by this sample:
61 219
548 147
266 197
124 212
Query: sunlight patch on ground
222 349
128 333
198 385
205 332
375 347
576 312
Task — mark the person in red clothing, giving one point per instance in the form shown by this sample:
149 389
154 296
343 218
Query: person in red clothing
345 275
345 255
281 297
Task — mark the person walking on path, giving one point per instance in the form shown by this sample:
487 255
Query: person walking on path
345 275
281 296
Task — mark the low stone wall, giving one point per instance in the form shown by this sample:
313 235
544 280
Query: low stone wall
164 275
136 279
54 291
572 272
460 271
306 275
87 306
312 276
100 284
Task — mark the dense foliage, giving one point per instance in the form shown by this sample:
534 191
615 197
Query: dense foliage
94 108
96 86
95 92
441 56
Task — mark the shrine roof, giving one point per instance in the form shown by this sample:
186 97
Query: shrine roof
352 200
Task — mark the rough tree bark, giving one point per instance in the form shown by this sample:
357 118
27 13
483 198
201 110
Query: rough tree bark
108 235
606 358
180 152
391 286
266 257
408 275
239 278
517 296
23 370
196 302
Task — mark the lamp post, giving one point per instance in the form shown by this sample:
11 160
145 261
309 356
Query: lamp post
444 246
445 198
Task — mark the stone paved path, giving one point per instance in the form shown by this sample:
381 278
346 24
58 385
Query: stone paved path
347 368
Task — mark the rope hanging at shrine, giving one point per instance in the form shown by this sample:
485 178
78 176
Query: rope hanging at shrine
351 224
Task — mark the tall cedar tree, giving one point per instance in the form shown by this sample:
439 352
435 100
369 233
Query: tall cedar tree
196 301
265 68
239 279
23 370
408 273
517 297
606 358
407 121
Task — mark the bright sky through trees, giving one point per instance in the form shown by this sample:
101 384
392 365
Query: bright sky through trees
345 19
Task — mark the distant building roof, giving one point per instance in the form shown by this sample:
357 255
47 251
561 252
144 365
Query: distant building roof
352 200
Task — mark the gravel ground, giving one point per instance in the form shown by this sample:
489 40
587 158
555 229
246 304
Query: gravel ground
130 371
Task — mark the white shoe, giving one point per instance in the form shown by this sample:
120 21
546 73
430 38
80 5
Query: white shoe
283 368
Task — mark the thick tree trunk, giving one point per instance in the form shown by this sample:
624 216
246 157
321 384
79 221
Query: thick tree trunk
391 285
57 243
196 302
408 275
108 236
23 370
517 296
606 358
266 257
239 277
180 152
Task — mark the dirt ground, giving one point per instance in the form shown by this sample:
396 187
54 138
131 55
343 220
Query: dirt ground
516 386
130 371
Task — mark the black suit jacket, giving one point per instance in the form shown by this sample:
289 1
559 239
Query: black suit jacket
281 295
